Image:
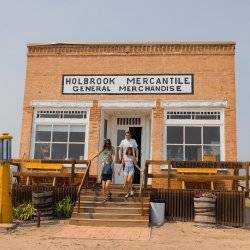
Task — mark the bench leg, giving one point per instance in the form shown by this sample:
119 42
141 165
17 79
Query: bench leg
27 181
183 186
54 181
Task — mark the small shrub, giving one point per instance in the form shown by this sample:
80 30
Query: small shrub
24 211
64 208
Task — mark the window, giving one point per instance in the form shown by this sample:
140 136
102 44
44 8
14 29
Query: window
193 143
59 141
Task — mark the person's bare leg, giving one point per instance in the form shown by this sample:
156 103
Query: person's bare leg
125 183
129 180
103 188
107 186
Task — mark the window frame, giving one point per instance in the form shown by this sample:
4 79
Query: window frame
192 123
61 122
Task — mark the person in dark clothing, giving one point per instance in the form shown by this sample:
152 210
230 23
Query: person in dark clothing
107 175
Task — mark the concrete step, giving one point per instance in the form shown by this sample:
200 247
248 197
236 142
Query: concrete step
113 204
109 222
115 192
115 210
109 215
114 198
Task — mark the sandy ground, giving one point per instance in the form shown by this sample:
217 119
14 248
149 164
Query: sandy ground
169 236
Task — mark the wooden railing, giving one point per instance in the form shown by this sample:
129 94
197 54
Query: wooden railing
41 173
84 183
179 205
171 171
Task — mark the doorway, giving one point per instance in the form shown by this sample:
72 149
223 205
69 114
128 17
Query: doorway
114 125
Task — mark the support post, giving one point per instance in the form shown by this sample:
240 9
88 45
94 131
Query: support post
246 166
72 179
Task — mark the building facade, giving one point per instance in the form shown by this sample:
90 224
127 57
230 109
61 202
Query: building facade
177 99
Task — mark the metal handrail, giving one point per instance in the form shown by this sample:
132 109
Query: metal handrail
83 182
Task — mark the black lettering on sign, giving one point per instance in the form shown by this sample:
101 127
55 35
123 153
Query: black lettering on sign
68 81
130 80
122 88
186 80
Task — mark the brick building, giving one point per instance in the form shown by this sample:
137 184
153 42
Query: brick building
177 99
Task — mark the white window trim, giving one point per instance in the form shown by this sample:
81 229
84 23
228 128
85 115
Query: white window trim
61 104
184 122
127 104
56 121
194 104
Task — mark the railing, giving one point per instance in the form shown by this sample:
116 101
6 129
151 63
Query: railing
23 193
180 206
20 162
83 183
170 172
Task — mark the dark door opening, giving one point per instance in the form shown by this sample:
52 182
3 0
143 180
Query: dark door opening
136 134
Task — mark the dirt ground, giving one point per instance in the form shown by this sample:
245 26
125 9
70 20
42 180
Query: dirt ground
169 236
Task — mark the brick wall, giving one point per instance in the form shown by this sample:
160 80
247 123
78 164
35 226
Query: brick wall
212 65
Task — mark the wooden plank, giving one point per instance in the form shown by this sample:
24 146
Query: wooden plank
197 170
45 174
43 166
197 177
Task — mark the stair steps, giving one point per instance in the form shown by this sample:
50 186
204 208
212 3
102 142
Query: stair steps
119 211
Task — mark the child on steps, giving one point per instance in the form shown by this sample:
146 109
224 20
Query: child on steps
107 175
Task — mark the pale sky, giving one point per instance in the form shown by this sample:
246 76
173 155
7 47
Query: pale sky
37 21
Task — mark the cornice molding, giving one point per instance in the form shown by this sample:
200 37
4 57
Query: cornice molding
226 48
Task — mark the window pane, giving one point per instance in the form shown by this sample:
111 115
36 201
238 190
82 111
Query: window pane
60 133
175 153
77 134
175 135
59 151
76 150
211 153
42 151
193 153
193 135
211 135
43 133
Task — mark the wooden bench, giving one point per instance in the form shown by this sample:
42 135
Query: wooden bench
208 171
32 170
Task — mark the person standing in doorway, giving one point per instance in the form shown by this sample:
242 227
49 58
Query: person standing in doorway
126 143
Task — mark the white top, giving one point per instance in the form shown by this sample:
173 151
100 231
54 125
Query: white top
125 143
129 160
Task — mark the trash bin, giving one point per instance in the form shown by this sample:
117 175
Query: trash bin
157 211
247 213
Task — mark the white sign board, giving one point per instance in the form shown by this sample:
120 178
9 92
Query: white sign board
127 84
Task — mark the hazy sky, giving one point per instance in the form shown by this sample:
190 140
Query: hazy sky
27 21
